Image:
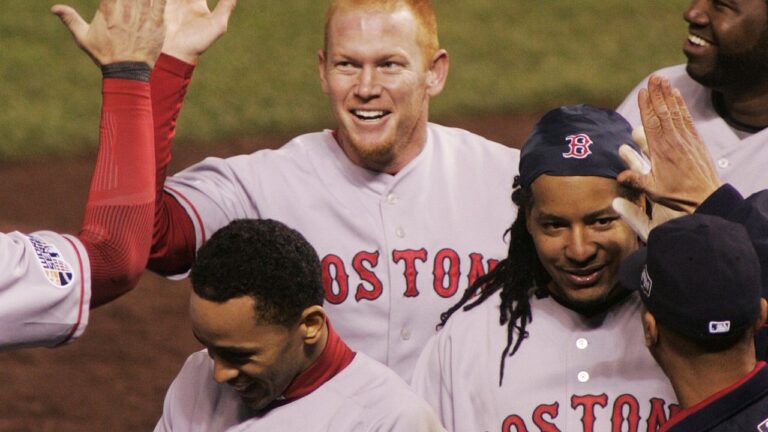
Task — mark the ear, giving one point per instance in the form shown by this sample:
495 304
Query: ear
321 69
760 322
650 330
312 324
437 73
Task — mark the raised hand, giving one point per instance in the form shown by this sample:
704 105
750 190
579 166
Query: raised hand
121 30
633 215
192 28
682 174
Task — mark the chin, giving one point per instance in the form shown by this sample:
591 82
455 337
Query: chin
376 155
700 74
257 405
588 301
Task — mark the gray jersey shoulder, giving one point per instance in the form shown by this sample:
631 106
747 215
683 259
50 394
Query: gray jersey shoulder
44 289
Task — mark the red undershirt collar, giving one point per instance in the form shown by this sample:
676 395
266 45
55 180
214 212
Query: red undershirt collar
335 357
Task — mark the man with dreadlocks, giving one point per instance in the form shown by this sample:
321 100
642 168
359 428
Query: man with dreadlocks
572 350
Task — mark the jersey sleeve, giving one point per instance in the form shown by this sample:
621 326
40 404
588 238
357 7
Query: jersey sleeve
429 377
117 224
173 244
45 289
198 201
629 108
212 195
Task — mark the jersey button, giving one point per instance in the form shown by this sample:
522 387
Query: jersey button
400 232
582 343
723 163
583 376
392 199
405 334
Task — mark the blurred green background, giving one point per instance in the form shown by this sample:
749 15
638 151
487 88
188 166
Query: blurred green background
261 78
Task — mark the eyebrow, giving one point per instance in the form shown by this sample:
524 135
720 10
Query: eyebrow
227 349
597 213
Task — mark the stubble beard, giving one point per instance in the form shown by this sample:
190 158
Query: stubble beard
376 156
737 72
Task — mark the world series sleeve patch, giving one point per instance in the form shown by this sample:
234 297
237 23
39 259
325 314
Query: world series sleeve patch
55 268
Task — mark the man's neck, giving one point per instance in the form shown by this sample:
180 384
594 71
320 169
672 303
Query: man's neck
743 110
331 356
696 379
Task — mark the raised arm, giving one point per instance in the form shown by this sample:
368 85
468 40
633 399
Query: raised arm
124 38
191 29
681 174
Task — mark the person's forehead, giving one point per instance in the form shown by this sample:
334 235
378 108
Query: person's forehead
216 319
583 194
354 22
233 324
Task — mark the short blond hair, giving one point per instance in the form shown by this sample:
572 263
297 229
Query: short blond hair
422 11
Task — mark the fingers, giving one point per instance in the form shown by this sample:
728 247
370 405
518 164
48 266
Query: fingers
686 115
673 106
660 93
638 136
158 9
72 20
651 123
633 160
223 10
633 216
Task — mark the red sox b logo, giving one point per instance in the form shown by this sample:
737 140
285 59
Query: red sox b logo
579 146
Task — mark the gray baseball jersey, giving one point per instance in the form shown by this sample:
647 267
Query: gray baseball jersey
740 158
45 289
571 374
395 249
364 396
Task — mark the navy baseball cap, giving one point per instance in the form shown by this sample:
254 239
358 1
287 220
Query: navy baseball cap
699 275
575 140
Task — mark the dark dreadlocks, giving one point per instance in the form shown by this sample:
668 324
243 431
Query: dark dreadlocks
518 276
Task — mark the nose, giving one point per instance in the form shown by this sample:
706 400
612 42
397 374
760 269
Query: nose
223 371
368 86
580 248
696 14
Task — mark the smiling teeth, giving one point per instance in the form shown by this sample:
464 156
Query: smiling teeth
368 114
697 41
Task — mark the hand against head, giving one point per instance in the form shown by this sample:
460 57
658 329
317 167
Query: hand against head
192 28
682 175
634 216
121 30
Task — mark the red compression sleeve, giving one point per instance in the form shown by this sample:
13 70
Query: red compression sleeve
117 226
173 239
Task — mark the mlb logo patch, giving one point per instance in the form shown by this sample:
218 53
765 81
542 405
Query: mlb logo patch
578 146
716 327
646 283
55 268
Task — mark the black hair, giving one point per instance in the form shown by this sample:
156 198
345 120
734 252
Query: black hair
518 276
263 259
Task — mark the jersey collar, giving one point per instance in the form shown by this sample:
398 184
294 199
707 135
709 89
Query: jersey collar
335 357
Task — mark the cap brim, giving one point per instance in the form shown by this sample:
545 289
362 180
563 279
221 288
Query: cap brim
631 269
